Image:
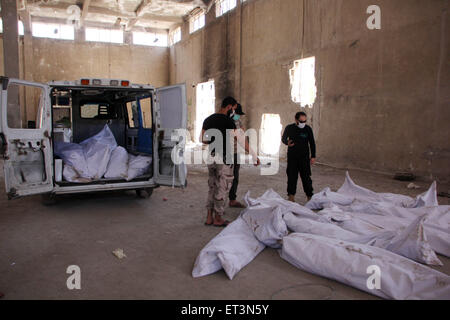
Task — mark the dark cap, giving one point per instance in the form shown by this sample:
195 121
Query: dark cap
239 110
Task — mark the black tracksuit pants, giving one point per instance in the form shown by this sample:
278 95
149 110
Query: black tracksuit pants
299 165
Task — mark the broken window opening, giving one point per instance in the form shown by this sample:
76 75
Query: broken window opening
270 133
104 35
150 39
53 31
175 36
205 105
223 6
20 27
303 82
197 22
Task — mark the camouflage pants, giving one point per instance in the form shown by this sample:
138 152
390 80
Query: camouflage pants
219 182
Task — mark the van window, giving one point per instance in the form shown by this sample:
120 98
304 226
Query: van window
133 120
97 111
146 109
24 106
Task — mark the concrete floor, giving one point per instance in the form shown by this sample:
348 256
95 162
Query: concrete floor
161 240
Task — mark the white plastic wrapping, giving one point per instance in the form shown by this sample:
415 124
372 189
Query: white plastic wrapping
105 136
347 262
267 224
302 225
71 175
351 189
137 166
118 164
73 155
410 241
426 199
338 242
99 156
270 199
232 249
97 150
349 222
326 197
406 209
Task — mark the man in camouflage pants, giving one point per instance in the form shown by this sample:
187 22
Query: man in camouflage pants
219 182
220 172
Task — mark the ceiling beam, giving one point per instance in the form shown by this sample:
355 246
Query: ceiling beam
84 13
153 17
25 16
36 7
139 12
133 17
204 3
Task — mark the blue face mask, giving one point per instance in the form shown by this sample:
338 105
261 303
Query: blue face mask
236 117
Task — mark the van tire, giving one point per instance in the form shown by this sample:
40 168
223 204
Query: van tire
144 193
48 199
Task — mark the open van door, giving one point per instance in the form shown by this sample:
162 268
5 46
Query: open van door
170 114
27 153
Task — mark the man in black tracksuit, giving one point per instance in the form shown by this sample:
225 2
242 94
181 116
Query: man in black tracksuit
299 138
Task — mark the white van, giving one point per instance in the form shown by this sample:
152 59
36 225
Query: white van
141 118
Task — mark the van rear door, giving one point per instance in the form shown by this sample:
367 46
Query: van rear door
170 114
27 152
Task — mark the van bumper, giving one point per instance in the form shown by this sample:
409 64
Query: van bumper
104 187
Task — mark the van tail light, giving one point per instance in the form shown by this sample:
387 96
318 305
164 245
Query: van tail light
85 82
114 83
97 82
125 83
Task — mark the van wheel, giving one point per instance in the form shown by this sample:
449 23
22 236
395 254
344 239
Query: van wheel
144 193
48 199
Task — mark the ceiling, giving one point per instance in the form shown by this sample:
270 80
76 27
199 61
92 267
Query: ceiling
129 14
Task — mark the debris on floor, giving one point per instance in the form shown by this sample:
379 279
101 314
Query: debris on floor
355 229
404 176
119 253
412 185
444 194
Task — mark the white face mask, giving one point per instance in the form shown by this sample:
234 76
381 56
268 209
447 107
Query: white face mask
301 125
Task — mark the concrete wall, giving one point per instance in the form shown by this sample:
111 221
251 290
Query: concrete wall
43 60
68 60
382 95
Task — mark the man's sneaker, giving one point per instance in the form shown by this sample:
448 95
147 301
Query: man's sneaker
291 198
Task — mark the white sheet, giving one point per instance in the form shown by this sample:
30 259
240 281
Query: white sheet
267 224
347 262
232 249
340 241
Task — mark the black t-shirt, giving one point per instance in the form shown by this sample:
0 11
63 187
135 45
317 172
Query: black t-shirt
303 139
222 123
